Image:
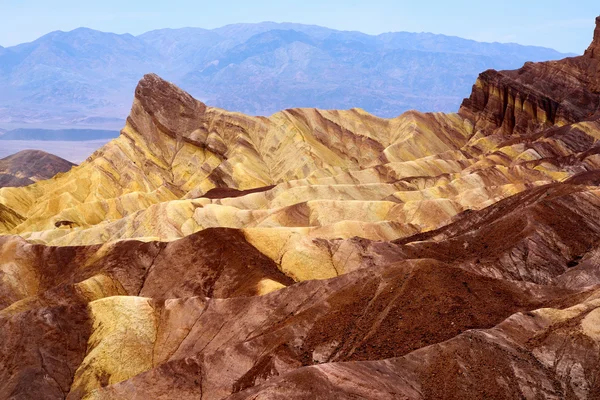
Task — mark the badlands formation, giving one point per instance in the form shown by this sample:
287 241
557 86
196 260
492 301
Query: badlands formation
317 254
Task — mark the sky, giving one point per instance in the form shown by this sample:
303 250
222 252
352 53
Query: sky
566 26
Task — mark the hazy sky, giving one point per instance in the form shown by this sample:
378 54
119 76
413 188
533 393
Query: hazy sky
566 25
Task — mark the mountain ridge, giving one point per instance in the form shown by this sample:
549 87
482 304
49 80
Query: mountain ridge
57 134
79 78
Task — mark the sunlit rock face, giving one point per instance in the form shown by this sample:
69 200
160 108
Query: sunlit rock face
537 96
594 50
317 254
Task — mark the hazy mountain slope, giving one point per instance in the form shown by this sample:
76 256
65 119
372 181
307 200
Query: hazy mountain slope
85 77
58 134
282 69
73 152
70 76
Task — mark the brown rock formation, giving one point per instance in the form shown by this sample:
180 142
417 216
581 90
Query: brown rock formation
541 354
317 254
537 96
594 50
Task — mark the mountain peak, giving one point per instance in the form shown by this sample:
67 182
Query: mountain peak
594 50
164 105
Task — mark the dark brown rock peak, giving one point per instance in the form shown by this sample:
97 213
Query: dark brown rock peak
161 104
594 50
537 96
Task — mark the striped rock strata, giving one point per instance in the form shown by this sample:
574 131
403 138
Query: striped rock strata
317 254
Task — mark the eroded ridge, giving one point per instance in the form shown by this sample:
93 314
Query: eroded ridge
317 254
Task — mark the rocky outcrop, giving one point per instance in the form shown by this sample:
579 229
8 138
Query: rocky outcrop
162 108
537 96
594 50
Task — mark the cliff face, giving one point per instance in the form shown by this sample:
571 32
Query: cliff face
537 96
594 50
316 254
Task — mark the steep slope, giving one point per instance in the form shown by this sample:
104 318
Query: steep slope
540 354
29 166
313 254
538 95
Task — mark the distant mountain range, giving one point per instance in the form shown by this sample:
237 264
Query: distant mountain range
86 77
58 134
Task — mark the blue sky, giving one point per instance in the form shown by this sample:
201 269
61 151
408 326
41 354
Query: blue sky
566 26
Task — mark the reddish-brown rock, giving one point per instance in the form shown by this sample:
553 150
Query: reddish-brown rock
594 50
537 96
40 350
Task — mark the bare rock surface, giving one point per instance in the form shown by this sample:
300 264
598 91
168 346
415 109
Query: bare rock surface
317 254
538 95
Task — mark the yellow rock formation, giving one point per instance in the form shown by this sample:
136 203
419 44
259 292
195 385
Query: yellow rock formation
326 174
